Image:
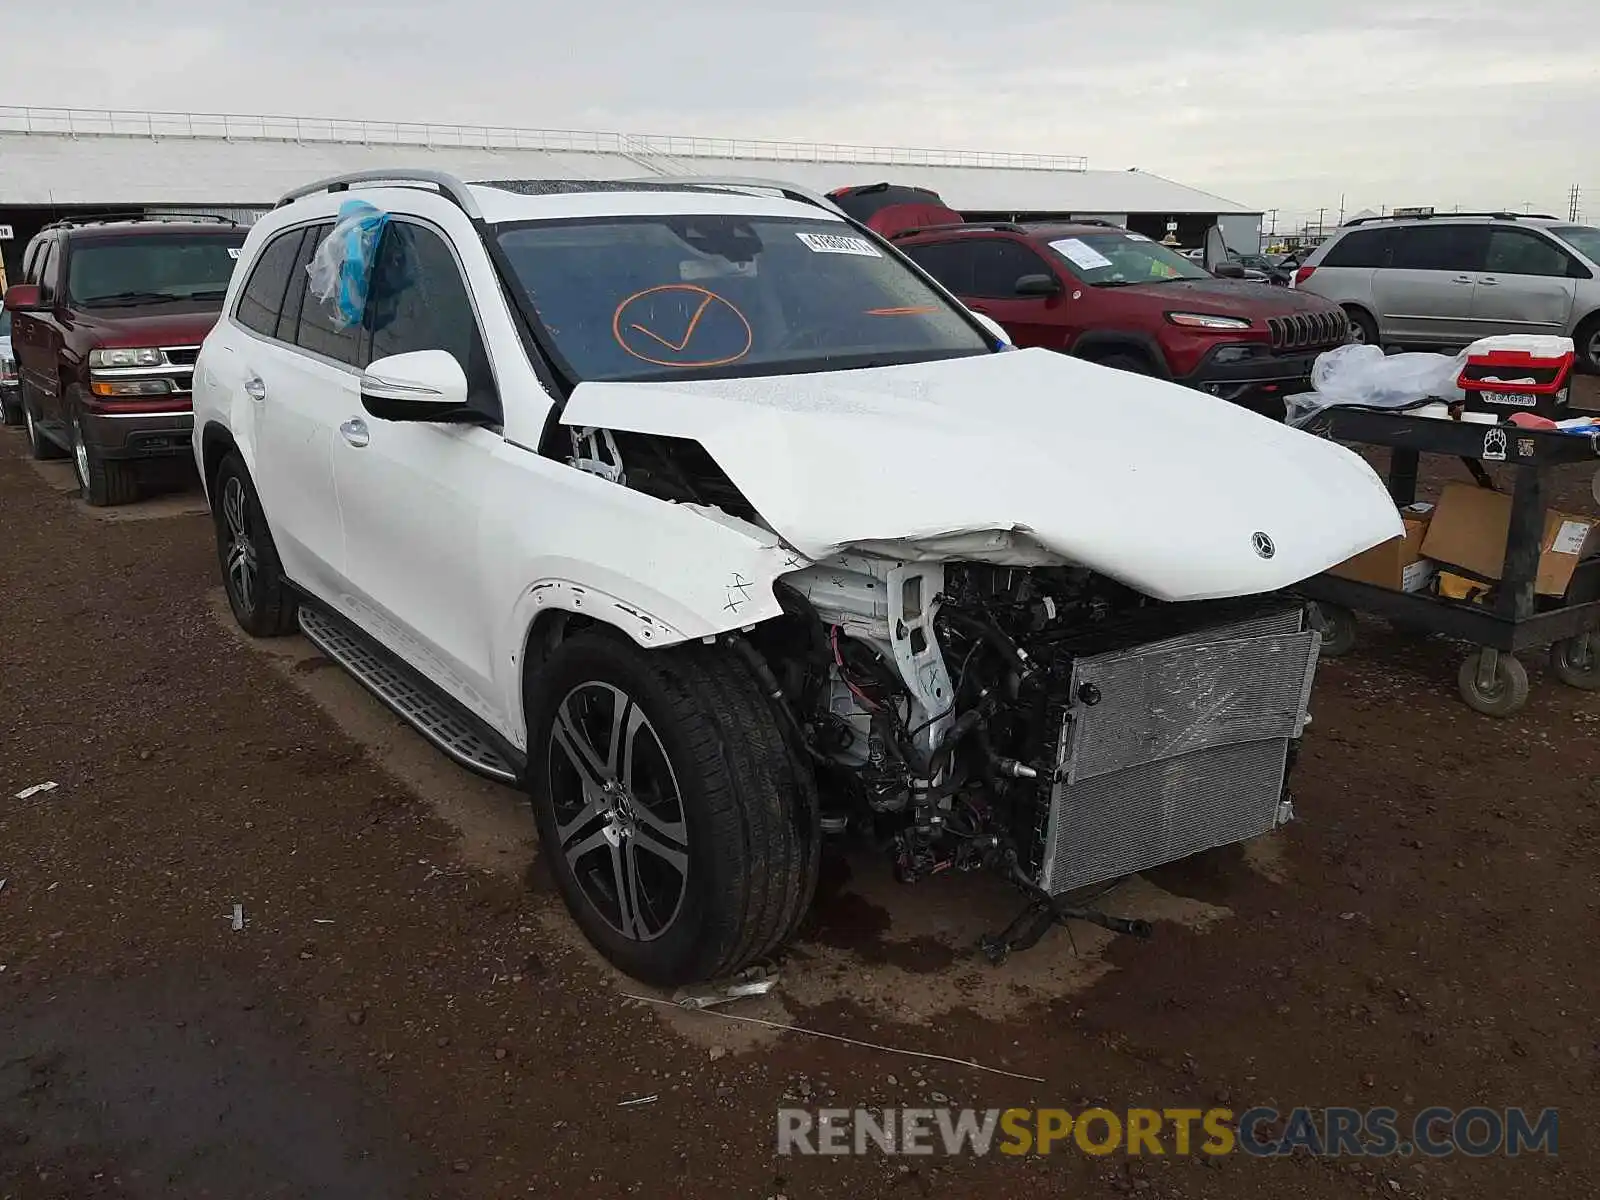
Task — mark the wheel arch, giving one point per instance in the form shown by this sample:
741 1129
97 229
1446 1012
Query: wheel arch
216 442
1101 343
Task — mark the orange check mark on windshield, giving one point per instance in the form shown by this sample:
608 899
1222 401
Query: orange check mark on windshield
687 334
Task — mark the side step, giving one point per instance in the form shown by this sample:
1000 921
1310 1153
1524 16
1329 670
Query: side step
408 693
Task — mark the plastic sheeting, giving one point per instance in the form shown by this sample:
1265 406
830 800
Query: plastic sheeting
341 269
1365 376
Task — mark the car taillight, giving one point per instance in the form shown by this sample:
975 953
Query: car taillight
1303 274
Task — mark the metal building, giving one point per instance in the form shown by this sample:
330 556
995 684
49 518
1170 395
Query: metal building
59 162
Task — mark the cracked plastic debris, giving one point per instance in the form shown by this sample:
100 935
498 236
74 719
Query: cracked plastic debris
756 981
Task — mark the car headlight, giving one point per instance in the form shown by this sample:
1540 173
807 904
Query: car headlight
1207 321
144 356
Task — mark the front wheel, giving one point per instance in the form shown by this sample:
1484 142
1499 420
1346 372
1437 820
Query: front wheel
682 833
1496 689
252 575
1576 661
104 482
1587 342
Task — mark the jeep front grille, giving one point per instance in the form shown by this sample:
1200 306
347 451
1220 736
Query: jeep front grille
1305 331
1174 747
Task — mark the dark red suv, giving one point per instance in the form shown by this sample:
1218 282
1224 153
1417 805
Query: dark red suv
107 321
1118 298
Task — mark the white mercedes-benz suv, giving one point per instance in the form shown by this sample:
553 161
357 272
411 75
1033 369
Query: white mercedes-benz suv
702 514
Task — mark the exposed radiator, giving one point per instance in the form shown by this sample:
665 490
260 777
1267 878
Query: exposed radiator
1176 746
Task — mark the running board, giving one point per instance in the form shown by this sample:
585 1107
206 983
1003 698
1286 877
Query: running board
407 693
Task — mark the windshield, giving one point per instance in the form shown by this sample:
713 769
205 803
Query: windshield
1585 239
1114 258
671 296
157 269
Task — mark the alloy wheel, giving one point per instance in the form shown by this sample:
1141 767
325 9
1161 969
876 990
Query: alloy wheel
618 810
80 454
1593 349
240 552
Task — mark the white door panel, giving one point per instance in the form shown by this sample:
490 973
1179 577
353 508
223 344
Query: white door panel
299 401
410 499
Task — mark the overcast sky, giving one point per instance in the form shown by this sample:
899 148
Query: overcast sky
1276 105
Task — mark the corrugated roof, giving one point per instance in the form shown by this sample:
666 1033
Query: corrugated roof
60 157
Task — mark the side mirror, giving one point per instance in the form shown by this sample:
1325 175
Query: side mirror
24 297
1228 270
424 385
1038 285
995 328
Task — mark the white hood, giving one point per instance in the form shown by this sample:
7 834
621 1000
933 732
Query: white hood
1023 457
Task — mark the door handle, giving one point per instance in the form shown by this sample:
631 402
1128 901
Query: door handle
255 389
355 432
1488 280
1462 279
979 308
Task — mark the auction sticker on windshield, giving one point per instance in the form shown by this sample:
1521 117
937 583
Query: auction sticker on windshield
838 243
1080 254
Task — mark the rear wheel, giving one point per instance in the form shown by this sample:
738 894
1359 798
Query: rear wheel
680 829
1587 342
104 481
39 446
252 575
1363 329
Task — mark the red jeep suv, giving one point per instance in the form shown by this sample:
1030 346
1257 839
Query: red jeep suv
107 321
1100 292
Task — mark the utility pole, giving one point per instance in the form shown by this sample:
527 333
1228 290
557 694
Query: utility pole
1321 213
1574 194
1341 208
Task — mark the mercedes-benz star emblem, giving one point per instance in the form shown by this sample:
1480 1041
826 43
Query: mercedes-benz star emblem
1262 544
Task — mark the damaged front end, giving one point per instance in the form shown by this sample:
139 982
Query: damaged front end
1042 721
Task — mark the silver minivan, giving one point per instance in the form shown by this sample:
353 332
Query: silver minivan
1451 279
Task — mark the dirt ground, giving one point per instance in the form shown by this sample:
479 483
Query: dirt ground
406 1010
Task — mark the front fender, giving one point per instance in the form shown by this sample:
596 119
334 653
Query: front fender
661 573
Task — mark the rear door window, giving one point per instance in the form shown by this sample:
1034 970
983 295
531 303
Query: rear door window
1518 252
1449 247
315 330
951 263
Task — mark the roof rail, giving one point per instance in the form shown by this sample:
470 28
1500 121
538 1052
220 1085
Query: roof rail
788 191
992 226
1498 216
113 218
448 186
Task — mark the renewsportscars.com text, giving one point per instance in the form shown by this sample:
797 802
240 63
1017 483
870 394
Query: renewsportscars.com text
1261 1132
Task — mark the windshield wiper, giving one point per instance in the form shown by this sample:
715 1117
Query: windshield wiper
208 294
128 298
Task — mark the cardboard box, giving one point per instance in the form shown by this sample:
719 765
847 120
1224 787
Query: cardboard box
1397 563
1469 531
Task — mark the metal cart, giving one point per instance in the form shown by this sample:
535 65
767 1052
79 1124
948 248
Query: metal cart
1513 619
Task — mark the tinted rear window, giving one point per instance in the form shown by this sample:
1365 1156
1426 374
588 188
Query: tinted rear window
1453 247
1360 248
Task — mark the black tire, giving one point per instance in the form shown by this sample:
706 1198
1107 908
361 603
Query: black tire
252 574
104 482
1341 632
1587 341
1575 661
11 410
746 832
1363 328
1507 694
1135 364
40 447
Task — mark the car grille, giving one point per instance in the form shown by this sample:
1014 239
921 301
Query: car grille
1183 748
183 356
1306 331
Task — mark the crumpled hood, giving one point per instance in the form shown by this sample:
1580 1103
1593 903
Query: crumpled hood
1023 456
